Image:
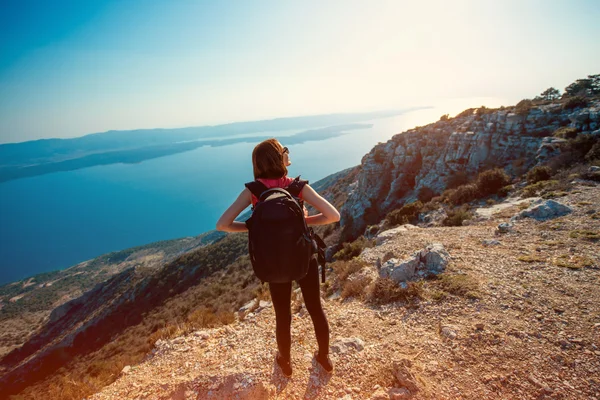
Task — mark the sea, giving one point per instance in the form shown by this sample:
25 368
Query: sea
54 221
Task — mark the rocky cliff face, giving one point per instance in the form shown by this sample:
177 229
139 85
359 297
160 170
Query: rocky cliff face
427 157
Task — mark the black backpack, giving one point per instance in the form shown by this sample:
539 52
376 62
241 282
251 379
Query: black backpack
280 244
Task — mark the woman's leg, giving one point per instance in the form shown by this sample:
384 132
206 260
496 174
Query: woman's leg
311 292
281 295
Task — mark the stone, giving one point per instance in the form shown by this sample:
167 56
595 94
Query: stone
505 227
126 369
490 242
379 394
386 235
399 394
248 306
402 372
344 345
543 210
449 332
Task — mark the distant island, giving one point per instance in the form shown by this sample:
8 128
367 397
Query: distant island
38 157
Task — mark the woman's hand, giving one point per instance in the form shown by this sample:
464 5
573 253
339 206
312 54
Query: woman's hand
328 212
226 223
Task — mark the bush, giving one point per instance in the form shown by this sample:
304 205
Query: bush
463 194
594 153
491 181
386 291
539 173
575 102
353 249
466 113
456 217
523 107
407 214
343 269
425 194
444 117
565 133
459 178
505 190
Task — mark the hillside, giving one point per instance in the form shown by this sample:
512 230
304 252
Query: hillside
446 178
518 319
26 305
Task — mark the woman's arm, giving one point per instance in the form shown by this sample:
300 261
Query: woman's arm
226 222
328 212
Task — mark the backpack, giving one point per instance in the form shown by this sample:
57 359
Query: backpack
280 243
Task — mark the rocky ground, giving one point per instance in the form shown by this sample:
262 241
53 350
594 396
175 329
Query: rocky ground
529 330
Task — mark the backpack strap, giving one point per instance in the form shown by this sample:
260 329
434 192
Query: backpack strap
296 186
257 188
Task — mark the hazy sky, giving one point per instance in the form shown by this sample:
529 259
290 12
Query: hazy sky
69 68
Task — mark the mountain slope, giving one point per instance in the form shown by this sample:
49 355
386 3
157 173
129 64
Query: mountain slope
526 328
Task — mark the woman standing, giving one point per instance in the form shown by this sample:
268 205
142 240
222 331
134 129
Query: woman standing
270 160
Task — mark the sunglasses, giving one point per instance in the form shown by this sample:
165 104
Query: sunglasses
285 150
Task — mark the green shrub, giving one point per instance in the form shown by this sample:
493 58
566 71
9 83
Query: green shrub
505 190
407 214
463 194
594 153
466 113
565 132
353 249
425 194
456 217
523 107
459 178
539 173
491 181
575 102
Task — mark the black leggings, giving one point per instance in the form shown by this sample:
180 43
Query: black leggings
281 294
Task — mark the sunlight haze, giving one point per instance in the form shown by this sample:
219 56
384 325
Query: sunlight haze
69 69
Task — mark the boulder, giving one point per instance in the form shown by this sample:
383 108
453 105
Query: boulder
430 261
344 345
542 210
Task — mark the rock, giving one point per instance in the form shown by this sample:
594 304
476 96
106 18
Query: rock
479 326
402 372
399 393
248 306
490 242
263 304
433 218
542 210
126 369
449 332
430 261
390 233
593 169
344 345
505 227
379 394
399 271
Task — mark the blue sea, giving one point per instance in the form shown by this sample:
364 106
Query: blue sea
53 221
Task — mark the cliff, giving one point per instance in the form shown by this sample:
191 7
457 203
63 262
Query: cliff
394 172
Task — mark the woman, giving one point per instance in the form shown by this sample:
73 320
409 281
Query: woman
270 160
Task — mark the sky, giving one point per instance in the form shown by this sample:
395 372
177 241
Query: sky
69 68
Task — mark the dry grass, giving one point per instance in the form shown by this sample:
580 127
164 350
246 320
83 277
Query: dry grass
584 234
531 258
343 269
573 262
459 285
385 291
